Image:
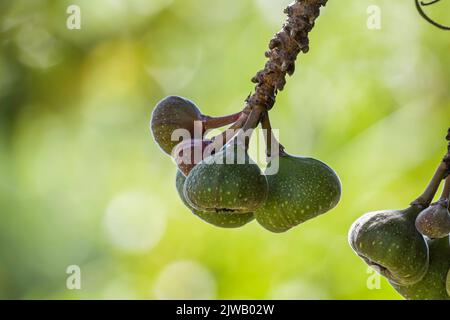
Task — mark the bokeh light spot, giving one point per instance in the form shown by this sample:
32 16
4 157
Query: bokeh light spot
135 221
185 280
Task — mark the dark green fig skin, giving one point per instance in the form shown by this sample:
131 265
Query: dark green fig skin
434 283
302 189
236 186
389 241
448 282
434 221
173 113
218 219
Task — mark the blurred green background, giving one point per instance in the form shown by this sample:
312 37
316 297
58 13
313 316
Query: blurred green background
82 182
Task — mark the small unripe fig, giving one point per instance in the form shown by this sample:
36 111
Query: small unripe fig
389 242
434 284
170 114
227 181
434 221
189 153
218 219
174 113
302 189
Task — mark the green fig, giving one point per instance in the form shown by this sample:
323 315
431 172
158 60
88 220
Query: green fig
174 113
447 283
218 219
228 181
389 241
434 221
434 284
301 189
170 114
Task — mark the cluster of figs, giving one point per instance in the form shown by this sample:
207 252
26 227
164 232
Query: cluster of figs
219 182
410 247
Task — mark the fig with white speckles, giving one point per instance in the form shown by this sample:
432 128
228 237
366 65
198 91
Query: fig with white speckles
218 219
228 181
434 284
447 283
302 189
434 221
389 241
174 113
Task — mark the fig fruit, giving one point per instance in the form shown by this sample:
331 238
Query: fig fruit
218 219
189 153
447 283
433 285
228 181
389 241
302 189
174 113
434 221
170 114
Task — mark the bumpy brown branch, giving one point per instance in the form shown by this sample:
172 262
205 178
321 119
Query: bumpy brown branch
282 54
283 51
441 173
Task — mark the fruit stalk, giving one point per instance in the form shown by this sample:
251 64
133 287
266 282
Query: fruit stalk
252 122
446 191
441 173
270 138
427 196
217 122
283 51
221 139
253 118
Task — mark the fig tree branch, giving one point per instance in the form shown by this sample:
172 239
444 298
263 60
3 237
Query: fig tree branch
283 51
441 173
284 48
446 191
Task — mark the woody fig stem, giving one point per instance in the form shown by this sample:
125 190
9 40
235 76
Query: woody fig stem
217 122
283 51
441 173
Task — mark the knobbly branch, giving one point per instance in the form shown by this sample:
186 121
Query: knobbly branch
283 51
284 48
